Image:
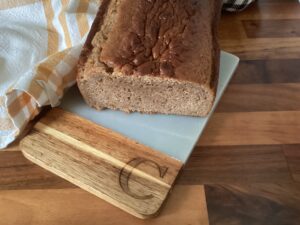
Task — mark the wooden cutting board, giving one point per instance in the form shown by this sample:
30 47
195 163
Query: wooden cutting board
121 171
82 146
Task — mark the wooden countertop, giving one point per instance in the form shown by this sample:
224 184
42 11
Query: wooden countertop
248 159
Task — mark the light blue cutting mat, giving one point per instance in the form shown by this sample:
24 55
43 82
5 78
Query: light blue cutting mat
173 135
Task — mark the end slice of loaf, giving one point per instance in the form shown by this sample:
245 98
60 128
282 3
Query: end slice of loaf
152 56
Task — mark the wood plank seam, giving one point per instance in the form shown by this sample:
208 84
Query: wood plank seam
288 165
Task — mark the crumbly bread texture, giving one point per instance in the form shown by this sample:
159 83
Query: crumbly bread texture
152 56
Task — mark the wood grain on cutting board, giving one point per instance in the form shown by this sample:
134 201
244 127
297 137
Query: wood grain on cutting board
121 171
247 180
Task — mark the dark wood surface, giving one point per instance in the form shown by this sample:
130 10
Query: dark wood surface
248 159
249 155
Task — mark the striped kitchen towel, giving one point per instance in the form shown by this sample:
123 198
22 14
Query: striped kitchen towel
236 5
40 41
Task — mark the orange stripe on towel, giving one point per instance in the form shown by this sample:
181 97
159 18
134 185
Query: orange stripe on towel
8 4
81 17
44 71
52 32
63 22
18 104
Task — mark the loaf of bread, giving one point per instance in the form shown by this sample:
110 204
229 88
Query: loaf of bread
152 56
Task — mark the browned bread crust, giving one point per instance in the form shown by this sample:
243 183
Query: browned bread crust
152 56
